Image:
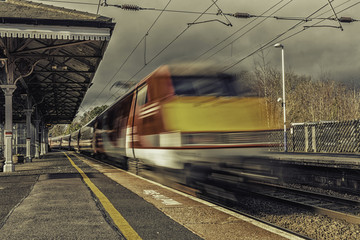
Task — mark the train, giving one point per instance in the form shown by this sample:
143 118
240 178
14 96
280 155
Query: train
177 117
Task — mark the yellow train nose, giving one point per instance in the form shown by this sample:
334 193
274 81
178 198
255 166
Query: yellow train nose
217 114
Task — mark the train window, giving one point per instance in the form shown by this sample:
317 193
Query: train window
142 96
204 86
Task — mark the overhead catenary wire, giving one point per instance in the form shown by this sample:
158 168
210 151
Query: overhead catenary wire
131 53
133 7
232 42
341 19
220 12
168 10
351 6
98 8
307 27
162 50
269 43
342 29
272 40
72 2
224 40
293 27
114 95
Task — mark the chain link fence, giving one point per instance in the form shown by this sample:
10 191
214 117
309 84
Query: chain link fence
326 137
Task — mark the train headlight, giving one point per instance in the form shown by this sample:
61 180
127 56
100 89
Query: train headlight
170 139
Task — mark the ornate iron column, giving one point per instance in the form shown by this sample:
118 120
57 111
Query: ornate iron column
8 86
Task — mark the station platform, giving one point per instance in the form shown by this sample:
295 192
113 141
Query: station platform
68 196
333 160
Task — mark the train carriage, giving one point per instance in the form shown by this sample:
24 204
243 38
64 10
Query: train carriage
189 115
55 142
180 115
74 140
177 116
65 142
86 139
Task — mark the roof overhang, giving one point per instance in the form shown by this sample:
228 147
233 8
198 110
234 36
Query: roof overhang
62 56
54 32
55 28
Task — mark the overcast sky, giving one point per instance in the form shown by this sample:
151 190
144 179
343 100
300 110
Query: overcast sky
323 49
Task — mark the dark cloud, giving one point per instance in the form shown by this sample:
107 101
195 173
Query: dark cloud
311 52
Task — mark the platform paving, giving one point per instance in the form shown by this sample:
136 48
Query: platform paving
50 199
47 199
350 161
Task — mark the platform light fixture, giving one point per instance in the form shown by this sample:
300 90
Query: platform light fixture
279 45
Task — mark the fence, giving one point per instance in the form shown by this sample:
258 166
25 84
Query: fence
19 139
328 137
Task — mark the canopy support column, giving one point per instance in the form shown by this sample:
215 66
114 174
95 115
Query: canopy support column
8 90
37 145
43 140
46 140
28 113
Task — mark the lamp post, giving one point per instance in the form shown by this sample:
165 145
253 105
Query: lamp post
278 45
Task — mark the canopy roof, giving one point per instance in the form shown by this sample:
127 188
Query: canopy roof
56 53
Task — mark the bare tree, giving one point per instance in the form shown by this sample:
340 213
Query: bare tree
307 100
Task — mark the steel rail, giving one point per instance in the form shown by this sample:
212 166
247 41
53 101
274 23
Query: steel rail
308 204
301 191
216 201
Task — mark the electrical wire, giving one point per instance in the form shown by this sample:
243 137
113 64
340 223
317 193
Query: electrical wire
335 15
183 11
220 12
242 29
98 7
128 57
269 43
202 13
305 28
72 2
262 15
166 47
350 6
272 40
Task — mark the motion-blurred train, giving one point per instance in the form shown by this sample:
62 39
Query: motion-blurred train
176 117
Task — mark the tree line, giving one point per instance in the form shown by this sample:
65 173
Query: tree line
77 123
307 99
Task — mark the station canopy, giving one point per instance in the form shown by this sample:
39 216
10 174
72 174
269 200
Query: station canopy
56 53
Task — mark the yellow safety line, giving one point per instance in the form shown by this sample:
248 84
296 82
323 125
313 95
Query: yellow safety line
118 219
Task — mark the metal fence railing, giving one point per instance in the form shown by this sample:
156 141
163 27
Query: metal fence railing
18 140
327 137
321 137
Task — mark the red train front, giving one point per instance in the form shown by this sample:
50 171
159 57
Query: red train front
182 115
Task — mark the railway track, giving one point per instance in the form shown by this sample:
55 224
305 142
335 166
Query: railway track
216 201
227 187
334 207
313 215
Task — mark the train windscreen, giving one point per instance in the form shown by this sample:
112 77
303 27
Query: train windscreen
205 86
